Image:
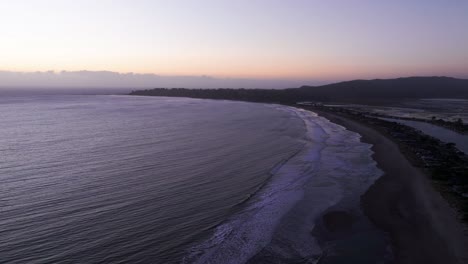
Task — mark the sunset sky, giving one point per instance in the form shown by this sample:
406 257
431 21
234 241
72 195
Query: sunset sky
297 40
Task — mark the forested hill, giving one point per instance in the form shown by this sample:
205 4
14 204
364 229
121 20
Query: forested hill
350 91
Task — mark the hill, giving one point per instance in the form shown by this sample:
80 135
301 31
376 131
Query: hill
349 91
401 88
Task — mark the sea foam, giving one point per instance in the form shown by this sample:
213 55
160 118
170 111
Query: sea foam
332 165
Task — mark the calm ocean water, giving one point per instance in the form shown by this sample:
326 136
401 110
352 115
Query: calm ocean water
120 179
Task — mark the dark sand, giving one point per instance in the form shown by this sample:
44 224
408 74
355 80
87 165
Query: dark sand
336 221
422 226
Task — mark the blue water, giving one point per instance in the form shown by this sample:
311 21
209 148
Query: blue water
120 179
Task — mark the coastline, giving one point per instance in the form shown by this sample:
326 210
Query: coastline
422 226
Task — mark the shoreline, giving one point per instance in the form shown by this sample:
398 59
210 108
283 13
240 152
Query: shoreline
329 193
422 226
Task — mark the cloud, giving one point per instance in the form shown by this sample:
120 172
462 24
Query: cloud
108 79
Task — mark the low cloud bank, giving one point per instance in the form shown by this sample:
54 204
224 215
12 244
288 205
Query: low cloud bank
128 81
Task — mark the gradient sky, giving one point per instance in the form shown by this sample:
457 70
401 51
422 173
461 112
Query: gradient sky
259 39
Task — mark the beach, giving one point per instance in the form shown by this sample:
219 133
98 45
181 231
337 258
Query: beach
422 226
255 183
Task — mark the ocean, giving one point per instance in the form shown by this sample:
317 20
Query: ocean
126 179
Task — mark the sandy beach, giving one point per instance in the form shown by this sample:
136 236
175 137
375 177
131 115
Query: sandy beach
422 226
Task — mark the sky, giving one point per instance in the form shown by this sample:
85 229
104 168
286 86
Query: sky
244 42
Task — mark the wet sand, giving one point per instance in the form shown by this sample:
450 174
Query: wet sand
422 226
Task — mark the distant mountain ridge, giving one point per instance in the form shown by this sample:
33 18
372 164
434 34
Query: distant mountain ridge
349 91
411 88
